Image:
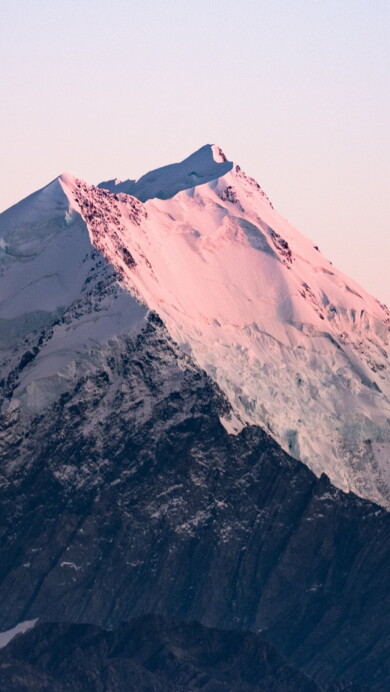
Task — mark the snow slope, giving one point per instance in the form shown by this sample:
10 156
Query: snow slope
59 299
204 165
296 346
20 628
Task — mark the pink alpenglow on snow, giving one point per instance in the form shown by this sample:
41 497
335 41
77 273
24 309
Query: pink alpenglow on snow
297 347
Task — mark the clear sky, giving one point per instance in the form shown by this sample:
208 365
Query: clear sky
295 91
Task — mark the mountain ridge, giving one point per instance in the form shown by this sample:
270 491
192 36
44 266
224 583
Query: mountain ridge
153 654
206 164
132 498
148 350
242 292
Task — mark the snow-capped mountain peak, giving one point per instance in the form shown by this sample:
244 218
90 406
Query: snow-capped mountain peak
206 164
297 347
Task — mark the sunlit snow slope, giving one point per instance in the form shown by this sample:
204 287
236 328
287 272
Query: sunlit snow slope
296 346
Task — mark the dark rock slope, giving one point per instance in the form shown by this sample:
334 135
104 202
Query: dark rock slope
128 497
148 654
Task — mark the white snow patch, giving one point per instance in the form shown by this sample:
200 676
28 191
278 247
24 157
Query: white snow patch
5 637
72 565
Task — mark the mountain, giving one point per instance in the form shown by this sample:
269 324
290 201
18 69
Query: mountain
151 654
294 345
167 365
204 166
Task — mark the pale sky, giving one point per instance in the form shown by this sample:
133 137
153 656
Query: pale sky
295 91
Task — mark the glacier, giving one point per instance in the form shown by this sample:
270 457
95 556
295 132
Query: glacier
297 347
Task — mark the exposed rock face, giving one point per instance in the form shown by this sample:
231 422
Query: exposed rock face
133 499
150 654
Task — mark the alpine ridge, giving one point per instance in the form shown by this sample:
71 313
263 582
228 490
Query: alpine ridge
295 345
194 425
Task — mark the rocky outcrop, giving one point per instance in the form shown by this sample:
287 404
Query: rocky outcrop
150 654
131 498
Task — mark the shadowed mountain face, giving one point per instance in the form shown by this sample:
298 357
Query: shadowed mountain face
133 499
150 654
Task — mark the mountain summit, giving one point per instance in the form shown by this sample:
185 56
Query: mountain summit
297 347
204 165
169 358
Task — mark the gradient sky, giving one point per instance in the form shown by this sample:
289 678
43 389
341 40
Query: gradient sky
295 91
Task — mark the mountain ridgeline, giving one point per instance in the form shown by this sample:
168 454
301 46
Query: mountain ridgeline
194 427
